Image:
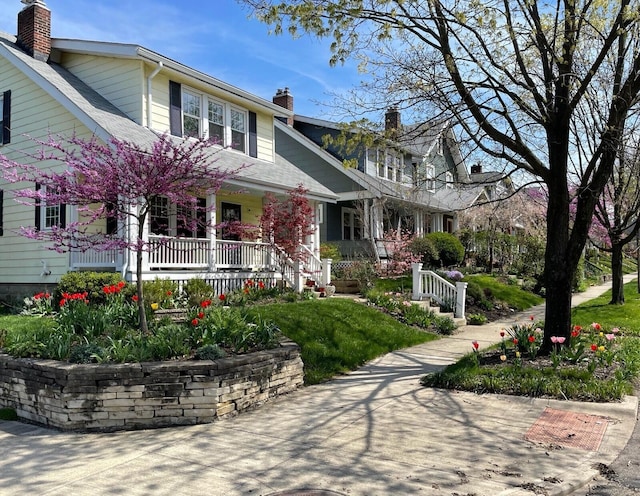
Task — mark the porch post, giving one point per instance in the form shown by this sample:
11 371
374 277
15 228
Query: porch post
461 295
211 218
315 242
415 270
377 219
366 218
419 223
326 271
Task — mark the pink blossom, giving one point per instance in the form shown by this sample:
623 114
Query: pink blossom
610 337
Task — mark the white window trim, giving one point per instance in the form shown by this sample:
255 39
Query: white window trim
43 213
352 213
448 178
204 118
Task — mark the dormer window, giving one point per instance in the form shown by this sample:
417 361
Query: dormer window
448 177
194 114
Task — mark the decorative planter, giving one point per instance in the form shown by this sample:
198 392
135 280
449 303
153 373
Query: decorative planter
350 286
329 290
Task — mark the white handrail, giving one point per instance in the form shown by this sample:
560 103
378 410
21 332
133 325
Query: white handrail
428 284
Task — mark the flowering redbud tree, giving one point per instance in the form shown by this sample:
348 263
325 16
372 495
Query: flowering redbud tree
286 222
117 181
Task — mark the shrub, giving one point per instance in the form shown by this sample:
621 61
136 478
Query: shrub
426 249
85 353
330 250
476 319
91 283
362 271
449 248
444 325
164 292
196 291
210 352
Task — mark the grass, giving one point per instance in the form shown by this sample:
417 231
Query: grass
539 378
338 335
512 294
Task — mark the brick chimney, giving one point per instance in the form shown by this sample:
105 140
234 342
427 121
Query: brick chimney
34 29
476 169
285 100
392 120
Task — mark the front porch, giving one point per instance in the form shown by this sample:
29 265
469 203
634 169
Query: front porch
224 264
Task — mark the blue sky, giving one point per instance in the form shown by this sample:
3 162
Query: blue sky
215 37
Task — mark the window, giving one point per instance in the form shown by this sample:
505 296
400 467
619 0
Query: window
216 122
238 130
191 105
448 177
351 225
429 179
168 220
48 215
5 114
159 215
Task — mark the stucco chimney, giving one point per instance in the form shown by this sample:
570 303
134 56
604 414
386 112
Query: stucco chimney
285 100
34 29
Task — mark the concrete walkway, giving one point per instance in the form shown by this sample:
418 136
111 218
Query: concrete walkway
375 431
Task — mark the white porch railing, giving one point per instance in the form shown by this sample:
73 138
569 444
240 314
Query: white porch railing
166 252
428 284
188 253
244 255
95 259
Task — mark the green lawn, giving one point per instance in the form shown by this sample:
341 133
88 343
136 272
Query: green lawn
512 294
337 335
625 316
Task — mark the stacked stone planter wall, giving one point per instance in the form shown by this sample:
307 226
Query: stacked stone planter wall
110 397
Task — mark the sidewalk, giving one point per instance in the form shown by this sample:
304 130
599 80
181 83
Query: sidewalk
375 431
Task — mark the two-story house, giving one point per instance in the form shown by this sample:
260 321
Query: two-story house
416 182
124 91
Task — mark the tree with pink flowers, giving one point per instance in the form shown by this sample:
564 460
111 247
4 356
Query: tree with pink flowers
117 181
287 221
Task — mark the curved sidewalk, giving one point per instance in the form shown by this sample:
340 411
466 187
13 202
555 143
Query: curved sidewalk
375 431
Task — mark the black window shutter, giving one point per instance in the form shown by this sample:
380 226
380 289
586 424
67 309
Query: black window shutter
175 108
253 135
6 117
112 219
37 220
63 215
1 212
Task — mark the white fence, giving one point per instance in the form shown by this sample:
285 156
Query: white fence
428 284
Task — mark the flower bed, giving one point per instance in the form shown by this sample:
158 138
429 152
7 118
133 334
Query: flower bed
111 397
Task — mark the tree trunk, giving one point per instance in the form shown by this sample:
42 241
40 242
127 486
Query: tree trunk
617 284
142 315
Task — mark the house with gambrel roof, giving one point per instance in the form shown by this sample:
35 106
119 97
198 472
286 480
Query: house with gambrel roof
124 91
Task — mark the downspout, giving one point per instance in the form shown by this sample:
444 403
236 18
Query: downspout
149 92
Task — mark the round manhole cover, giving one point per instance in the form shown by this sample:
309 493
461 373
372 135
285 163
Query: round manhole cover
307 492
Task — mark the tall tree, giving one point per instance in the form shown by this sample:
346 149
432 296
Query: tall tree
617 221
512 75
120 181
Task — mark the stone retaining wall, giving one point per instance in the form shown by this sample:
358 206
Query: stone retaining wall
110 397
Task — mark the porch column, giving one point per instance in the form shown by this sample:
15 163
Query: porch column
377 228
326 271
418 217
211 221
366 220
437 223
315 241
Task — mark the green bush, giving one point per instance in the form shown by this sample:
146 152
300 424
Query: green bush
444 325
164 292
196 291
426 249
210 352
92 283
476 319
449 248
330 250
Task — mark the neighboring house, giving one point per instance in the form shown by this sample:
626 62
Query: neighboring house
417 183
62 86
